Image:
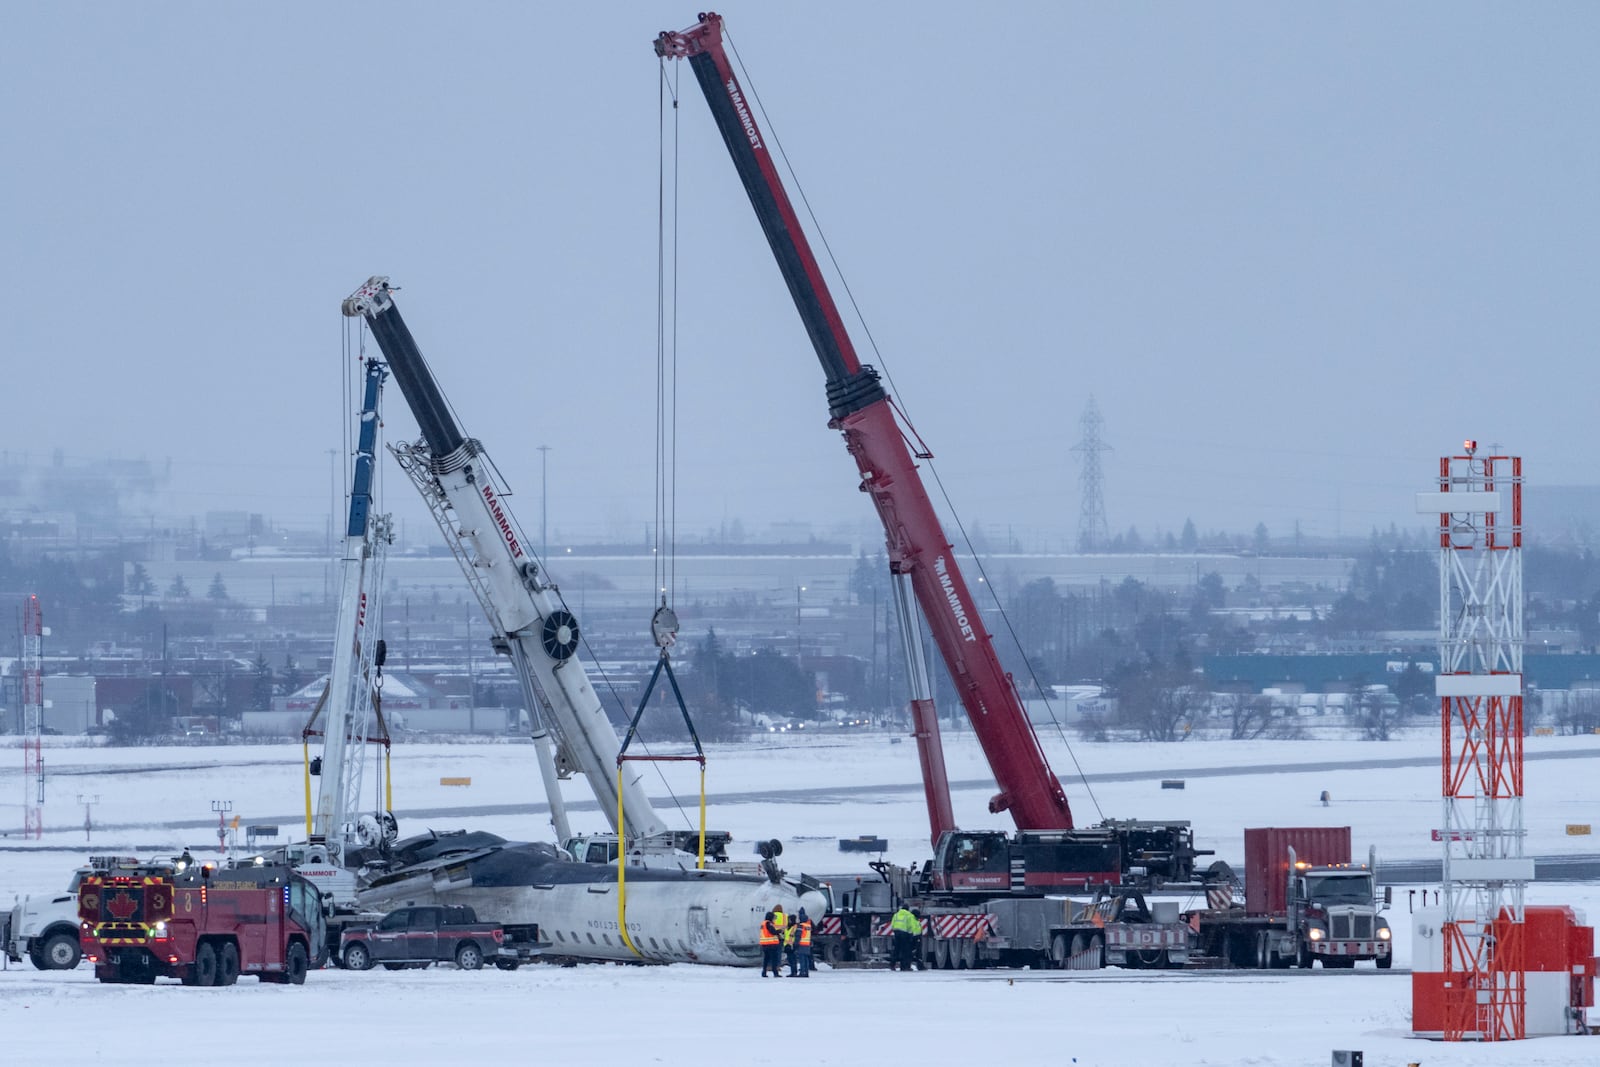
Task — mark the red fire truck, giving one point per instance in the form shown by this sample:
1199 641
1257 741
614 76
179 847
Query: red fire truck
202 924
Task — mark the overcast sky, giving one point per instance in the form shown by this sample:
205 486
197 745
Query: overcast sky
1294 251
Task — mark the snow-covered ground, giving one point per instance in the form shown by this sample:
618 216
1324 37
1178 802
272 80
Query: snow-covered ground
809 792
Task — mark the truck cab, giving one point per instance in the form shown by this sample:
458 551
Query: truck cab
1339 910
45 928
602 848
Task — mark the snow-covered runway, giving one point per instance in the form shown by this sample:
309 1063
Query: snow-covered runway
604 1014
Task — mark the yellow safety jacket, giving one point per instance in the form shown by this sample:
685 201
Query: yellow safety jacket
769 934
905 922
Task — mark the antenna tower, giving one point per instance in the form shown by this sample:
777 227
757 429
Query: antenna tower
1093 531
32 718
1479 503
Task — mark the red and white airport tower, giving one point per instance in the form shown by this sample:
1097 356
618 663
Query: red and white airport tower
1486 967
32 718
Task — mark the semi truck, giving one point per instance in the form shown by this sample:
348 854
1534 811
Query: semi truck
198 923
1305 902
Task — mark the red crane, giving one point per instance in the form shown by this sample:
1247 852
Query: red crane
918 550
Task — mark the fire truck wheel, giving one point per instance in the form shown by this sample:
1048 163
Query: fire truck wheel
228 964
1058 951
469 957
833 953
61 953
1385 962
295 964
203 971
358 958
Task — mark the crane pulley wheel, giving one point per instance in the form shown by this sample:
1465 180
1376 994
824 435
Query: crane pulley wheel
560 635
664 627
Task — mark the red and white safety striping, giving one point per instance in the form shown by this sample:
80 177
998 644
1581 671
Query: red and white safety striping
973 927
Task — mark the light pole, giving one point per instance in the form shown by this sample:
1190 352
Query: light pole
799 648
222 808
88 803
544 498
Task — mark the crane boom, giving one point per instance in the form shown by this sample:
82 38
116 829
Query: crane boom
349 702
861 410
528 619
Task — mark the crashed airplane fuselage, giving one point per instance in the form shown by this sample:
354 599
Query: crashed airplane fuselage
672 915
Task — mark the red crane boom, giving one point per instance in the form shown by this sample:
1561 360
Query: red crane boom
861 410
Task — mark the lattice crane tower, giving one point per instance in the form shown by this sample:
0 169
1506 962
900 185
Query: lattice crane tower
1479 504
32 718
1093 531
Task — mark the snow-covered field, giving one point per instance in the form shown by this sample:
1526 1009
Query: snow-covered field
809 792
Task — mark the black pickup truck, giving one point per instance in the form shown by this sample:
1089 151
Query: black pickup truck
418 936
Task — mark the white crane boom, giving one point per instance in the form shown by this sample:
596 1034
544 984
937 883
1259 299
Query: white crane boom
528 618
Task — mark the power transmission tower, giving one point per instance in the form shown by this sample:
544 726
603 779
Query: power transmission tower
1093 531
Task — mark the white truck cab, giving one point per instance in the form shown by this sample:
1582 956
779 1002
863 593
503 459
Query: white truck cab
44 928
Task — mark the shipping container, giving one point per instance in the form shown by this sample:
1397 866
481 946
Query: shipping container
1266 860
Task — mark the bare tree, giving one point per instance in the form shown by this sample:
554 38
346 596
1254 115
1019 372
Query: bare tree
1249 717
1580 713
1162 704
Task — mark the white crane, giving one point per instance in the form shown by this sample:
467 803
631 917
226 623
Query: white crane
345 716
530 621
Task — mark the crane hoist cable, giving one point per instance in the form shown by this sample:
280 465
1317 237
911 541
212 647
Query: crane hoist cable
921 451
664 622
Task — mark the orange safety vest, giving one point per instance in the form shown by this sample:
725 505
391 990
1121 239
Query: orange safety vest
769 934
805 933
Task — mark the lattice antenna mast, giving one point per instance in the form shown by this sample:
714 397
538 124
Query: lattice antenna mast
1093 530
33 718
1479 504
